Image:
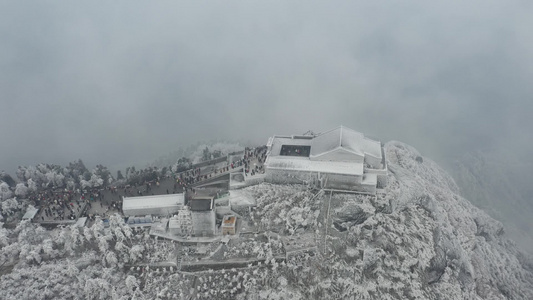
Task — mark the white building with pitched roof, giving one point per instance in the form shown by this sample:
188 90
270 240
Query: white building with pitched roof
158 205
339 159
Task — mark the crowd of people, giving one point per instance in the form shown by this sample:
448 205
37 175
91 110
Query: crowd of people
250 154
190 177
60 205
57 205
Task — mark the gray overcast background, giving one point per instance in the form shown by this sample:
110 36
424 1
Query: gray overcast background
124 82
117 82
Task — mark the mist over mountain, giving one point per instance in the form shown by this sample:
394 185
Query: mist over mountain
96 81
500 185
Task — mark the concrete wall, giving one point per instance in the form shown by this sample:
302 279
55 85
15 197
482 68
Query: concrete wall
371 189
382 181
341 182
237 184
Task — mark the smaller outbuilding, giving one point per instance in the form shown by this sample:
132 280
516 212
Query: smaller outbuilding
31 212
158 205
181 224
203 216
228 224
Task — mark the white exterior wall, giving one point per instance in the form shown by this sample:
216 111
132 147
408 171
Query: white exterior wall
289 177
382 177
329 181
158 211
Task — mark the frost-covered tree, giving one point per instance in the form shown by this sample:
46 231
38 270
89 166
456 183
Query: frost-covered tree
96 181
207 152
93 182
206 155
21 173
76 169
5 191
4 236
131 283
7 179
32 186
103 173
55 179
183 164
10 206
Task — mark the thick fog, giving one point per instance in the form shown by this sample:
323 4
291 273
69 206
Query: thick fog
121 82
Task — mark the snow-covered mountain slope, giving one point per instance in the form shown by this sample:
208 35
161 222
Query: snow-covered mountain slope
458 251
417 239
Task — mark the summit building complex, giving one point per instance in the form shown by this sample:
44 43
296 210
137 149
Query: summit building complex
339 159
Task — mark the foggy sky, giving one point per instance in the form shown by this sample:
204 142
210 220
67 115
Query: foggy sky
117 82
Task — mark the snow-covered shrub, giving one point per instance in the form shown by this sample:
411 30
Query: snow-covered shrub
285 207
10 206
21 190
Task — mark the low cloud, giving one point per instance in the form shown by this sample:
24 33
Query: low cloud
121 82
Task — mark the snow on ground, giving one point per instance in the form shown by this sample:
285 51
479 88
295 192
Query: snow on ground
241 198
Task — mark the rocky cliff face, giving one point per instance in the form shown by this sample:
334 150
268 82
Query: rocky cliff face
435 242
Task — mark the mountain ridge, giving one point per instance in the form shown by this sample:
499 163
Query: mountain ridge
416 239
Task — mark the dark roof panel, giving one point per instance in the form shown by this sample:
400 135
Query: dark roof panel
201 204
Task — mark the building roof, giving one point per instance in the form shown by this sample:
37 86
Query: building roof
201 203
278 141
338 151
229 221
171 200
30 213
203 221
339 138
174 223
